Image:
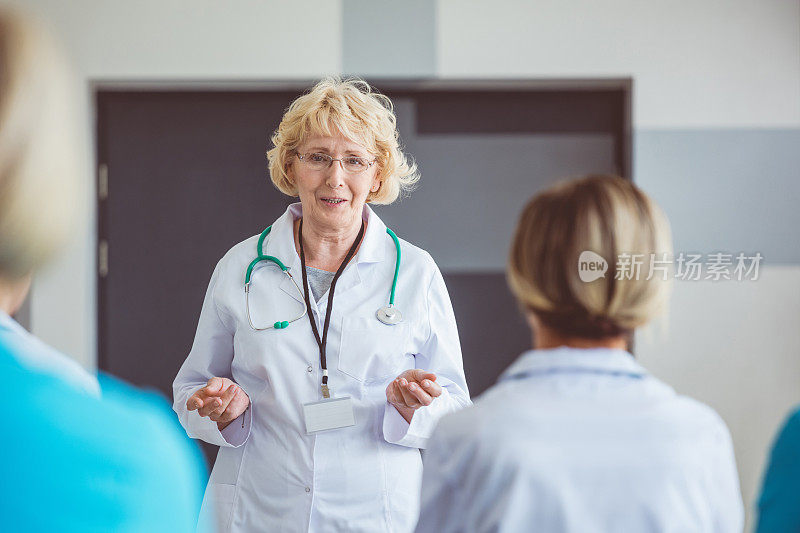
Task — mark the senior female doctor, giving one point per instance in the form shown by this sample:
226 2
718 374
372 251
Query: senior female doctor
320 391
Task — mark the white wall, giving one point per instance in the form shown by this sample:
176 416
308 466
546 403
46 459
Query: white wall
173 39
708 63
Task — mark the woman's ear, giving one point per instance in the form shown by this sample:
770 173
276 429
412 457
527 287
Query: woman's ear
532 320
376 182
14 292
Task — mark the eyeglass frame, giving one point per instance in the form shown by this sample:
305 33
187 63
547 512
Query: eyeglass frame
302 157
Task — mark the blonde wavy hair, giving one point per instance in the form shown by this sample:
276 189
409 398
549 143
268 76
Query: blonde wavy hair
40 153
350 107
606 215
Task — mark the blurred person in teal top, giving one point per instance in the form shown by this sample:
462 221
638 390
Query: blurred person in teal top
36 355
72 457
74 462
779 504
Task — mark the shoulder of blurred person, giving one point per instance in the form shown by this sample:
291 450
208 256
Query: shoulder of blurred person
779 503
516 411
514 408
73 462
37 355
562 443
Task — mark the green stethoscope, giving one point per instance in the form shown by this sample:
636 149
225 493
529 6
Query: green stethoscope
388 315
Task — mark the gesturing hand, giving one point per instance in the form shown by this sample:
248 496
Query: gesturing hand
221 400
411 390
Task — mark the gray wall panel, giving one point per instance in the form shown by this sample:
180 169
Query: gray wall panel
725 190
389 39
473 188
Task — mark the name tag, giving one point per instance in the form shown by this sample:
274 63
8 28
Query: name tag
333 413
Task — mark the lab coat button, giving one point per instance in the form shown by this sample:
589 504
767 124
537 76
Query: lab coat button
310 368
308 489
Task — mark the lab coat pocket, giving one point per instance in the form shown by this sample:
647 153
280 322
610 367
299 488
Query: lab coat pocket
215 514
373 352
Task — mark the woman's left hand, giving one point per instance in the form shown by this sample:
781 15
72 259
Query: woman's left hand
411 390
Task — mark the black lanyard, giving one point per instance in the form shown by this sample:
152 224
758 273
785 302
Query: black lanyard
323 341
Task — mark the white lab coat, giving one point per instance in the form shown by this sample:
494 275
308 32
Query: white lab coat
38 356
583 441
271 476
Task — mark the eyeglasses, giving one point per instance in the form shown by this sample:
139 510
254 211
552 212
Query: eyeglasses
351 164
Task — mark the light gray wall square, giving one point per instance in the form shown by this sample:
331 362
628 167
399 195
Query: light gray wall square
474 187
389 39
725 190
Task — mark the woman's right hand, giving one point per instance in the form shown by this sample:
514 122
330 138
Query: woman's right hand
221 400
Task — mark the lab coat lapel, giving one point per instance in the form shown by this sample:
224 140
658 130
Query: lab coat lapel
349 279
280 244
372 250
288 286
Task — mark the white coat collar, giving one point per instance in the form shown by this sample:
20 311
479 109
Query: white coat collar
565 360
6 322
280 244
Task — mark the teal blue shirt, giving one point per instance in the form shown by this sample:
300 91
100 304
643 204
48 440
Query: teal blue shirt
70 461
779 504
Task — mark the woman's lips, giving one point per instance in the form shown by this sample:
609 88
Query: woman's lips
333 201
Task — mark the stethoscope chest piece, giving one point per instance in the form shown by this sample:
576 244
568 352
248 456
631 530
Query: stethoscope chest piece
389 315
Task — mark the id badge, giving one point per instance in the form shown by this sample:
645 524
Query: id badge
331 413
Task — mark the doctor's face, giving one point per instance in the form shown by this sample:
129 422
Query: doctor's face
333 192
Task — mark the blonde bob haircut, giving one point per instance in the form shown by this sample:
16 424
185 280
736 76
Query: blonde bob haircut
350 107
40 153
606 215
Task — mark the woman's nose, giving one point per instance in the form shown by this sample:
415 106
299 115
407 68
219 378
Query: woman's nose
335 177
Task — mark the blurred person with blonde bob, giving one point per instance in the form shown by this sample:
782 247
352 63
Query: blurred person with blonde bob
576 435
72 459
40 164
320 410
